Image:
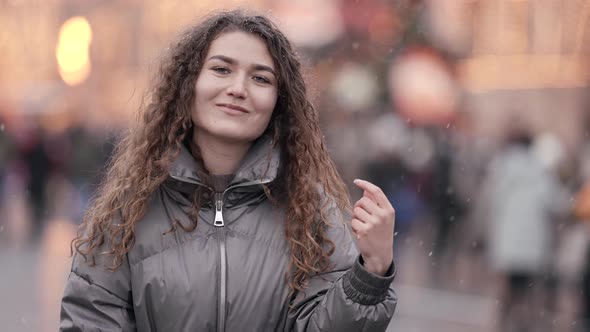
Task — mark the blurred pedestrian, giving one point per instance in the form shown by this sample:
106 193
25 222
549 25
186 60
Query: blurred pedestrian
223 210
522 199
37 161
446 205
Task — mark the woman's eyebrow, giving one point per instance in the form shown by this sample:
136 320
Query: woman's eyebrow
265 68
223 58
232 61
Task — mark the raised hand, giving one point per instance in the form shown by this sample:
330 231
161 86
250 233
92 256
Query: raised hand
373 222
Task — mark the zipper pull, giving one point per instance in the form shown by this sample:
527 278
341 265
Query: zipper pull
218 214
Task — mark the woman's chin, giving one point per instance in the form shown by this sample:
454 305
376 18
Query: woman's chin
233 136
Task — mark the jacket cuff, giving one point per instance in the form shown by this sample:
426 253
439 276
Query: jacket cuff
365 287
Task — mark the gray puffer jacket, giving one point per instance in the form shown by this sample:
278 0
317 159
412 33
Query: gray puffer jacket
228 274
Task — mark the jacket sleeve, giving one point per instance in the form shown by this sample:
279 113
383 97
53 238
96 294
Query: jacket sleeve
347 298
96 299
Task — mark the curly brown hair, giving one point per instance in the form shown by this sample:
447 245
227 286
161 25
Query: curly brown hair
143 155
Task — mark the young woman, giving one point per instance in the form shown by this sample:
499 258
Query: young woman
222 210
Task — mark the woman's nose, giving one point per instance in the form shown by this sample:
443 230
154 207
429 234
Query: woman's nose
237 87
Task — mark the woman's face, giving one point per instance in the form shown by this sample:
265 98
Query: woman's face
236 91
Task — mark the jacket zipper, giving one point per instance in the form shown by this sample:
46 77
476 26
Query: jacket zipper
219 223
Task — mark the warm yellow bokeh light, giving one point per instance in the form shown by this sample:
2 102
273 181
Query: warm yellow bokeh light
72 50
71 57
77 76
76 29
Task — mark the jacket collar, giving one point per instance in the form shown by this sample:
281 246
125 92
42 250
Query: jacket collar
261 165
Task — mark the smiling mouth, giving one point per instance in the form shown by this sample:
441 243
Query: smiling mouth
234 108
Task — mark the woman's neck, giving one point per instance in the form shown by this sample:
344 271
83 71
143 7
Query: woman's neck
220 156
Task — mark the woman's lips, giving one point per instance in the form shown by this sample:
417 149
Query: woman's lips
233 109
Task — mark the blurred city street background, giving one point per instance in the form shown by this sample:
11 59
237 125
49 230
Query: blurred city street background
472 115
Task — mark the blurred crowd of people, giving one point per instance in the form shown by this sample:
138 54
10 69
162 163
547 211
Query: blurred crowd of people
512 211
497 216
54 171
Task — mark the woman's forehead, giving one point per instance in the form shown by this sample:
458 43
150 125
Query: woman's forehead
242 47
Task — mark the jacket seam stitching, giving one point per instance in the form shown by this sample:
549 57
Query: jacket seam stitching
260 242
99 286
177 245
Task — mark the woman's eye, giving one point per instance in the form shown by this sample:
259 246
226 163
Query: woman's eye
261 79
220 70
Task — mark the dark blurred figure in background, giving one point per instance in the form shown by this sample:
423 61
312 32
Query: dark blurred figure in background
5 155
90 150
400 185
582 213
444 201
33 153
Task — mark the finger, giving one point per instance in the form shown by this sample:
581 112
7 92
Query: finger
377 193
368 195
368 205
359 227
362 215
